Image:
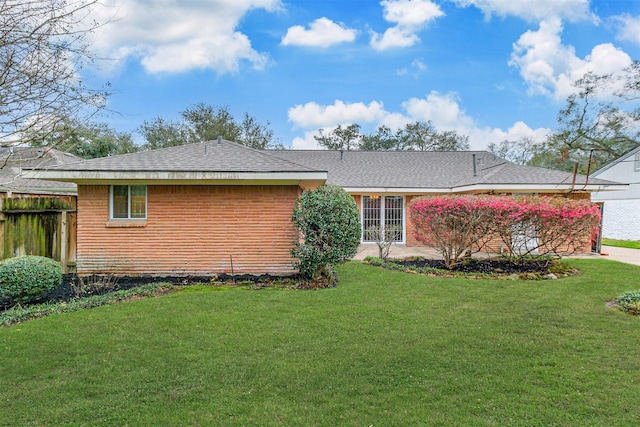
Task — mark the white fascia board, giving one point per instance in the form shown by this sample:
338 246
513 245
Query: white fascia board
173 177
522 188
538 188
408 191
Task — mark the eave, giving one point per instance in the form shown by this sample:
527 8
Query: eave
489 188
179 177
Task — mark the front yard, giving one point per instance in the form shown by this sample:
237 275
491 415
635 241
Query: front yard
383 348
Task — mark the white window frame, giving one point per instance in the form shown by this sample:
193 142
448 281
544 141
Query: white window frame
636 164
129 205
382 215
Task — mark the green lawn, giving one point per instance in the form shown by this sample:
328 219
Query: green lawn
633 244
383 348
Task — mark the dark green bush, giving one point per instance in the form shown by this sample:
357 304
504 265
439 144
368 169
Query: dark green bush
328 222
629 302
24 279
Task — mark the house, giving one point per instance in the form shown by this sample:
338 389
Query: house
37 217
383 183
14 159
621 209
220 207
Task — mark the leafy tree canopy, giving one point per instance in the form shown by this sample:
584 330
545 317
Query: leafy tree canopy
86 141
417 136
203 122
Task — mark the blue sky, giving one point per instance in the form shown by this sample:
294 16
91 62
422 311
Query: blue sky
489 69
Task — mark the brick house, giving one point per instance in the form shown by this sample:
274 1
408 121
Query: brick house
220 207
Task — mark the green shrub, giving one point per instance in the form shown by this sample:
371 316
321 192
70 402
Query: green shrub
629 302
328 222
25 278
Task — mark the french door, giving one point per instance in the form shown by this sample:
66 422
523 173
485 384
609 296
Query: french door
383 218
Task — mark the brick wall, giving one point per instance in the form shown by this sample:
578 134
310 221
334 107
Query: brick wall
190 230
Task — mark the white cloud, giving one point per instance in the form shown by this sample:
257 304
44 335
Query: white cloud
312 115
536 10
322 33
169 36
393 37
550 68
443 110
629 29
417 66
410 13
409 17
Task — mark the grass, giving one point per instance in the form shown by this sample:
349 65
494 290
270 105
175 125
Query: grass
632 244
383 348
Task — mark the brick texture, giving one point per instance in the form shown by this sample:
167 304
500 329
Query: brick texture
190 230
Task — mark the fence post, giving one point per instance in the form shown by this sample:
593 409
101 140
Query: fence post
64 236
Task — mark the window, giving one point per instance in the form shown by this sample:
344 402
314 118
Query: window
637 162
382 213
128 201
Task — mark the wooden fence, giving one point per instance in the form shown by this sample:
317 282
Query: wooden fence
44 226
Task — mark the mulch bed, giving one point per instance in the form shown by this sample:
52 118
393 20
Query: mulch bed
482 265
534 269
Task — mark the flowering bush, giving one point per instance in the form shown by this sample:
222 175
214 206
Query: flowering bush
452 224
554 225
458 225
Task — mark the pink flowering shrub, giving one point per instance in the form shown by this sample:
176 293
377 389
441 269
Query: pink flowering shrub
525 226
452 224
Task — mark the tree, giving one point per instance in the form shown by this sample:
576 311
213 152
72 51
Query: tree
161 133
419 136
382 139
592 127
88 141
43 46
203 122
519 151
340 138
422 136
328 223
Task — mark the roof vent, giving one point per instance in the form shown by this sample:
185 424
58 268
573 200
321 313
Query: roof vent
475 169
219 139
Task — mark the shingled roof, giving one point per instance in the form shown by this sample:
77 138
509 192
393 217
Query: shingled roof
419 171
13 161
200 162
364 171
211 156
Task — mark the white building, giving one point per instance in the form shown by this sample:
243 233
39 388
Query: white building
621 217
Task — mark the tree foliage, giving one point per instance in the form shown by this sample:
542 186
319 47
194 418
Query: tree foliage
203 122
43 47
519 151
417 136
340 138
525 226
328 223
595 126
87 141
